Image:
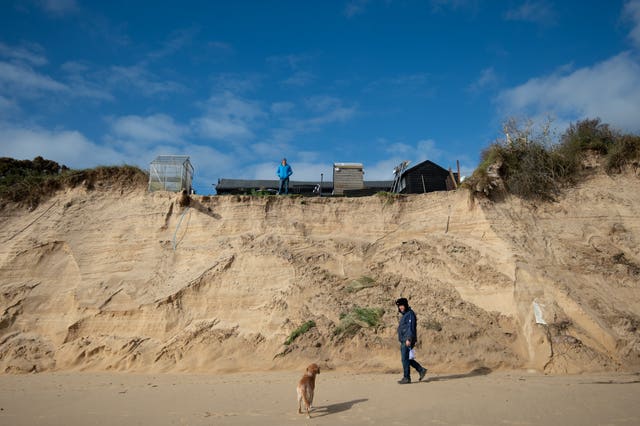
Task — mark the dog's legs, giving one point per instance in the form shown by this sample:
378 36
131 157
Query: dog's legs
306 403
299 402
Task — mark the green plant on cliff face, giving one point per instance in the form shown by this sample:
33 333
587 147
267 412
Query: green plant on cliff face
359 284
260 193
299 332
387 197
356 319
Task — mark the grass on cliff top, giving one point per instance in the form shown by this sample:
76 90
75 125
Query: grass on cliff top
530 164
31 181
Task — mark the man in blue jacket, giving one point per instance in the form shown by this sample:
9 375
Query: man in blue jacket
283 172
408 336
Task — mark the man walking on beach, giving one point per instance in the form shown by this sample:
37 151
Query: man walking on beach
283 172
408 336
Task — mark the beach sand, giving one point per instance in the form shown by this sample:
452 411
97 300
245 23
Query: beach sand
476 398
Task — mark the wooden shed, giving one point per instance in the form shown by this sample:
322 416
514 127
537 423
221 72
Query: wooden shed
347 176
426 177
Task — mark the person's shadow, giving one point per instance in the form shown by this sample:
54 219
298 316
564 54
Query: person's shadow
325 410
481 371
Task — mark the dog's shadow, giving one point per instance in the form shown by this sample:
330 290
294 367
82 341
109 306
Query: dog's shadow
325 410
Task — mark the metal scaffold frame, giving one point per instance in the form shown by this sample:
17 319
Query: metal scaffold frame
170 173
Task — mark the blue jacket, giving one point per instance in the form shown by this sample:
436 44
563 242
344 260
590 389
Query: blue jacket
407 329
284 171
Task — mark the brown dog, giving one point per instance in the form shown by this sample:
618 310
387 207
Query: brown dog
306 387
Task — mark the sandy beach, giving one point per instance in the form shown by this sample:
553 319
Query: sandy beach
476 398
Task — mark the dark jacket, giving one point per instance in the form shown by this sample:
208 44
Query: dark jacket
407 329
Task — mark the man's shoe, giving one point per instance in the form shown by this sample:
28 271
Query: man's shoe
404 381
422 374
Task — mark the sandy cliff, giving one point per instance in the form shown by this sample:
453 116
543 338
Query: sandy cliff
112 279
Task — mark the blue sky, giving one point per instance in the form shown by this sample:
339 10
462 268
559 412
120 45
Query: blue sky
237 85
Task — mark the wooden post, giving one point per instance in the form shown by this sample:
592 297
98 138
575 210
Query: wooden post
453 180
458 163
424 188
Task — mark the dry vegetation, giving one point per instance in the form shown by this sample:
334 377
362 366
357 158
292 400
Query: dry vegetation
28 182
530 165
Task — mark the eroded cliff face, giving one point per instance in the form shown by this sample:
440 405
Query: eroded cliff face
104 280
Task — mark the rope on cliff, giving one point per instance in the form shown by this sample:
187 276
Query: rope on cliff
178 227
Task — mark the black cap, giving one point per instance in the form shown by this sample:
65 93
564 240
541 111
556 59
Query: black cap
402 301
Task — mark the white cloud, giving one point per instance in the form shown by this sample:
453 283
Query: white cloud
423 150
416 84
281 108
58 7
221 128
300 78
7 106
538 12
209 165
328 109
487 79
440 5
609 90
355 7
382 170
73 149
228 117
65 147
320 111
139 78
20 80
632 13
290 61
220 46
237 83
154 128
177 40
31 53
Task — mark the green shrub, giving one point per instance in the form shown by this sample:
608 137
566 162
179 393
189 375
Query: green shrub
260 193
528 164
299 332
625 150
28 182
388 197
356 319
588 134
359 284
523 166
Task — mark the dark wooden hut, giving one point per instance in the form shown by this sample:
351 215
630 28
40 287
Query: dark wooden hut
426 177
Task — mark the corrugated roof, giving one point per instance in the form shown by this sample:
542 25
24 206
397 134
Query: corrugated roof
348 165
250 183
175 159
